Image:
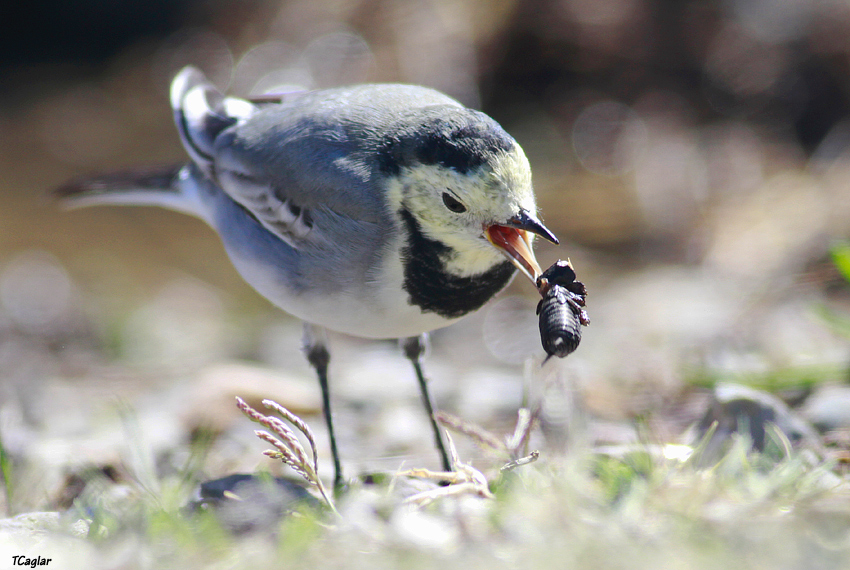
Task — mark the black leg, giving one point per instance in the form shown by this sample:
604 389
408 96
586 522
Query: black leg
414 347
316 350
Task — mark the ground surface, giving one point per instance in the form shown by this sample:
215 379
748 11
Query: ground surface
706 224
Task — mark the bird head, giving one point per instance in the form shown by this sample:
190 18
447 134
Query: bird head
467 185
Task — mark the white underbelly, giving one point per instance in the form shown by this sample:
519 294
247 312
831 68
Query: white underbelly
366 313
357 319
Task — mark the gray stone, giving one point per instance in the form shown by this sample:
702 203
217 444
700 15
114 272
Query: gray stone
740 409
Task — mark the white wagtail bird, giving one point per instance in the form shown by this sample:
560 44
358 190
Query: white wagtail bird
380 211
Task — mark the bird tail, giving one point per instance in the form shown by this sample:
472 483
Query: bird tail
167 187
201 112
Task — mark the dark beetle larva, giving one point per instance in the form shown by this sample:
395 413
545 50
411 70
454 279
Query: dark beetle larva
560 329
561 310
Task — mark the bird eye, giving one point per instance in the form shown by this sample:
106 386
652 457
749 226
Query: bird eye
452 204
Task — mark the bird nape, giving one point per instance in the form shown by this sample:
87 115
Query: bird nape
381 211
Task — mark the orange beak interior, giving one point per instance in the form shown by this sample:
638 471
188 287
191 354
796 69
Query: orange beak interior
516 246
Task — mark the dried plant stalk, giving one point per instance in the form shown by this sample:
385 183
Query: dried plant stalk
527 420
287 446
476 433
298 423
464 480
530 458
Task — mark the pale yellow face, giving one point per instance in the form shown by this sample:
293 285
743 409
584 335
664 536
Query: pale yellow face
490 194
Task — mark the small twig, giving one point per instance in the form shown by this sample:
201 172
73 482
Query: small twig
530 458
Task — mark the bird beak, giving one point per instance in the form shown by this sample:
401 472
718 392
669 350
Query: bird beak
513 239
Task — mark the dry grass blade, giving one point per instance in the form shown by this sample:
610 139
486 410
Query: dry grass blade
512 446
298 423
252 414
476 433
476 477
464 480
287 446
292 442
451 477
297 461
526 421
427 497
453 455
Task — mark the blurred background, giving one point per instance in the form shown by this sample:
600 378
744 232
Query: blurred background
692 155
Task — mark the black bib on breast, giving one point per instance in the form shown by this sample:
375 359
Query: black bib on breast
432 288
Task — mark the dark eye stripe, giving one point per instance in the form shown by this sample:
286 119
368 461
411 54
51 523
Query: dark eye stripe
452 203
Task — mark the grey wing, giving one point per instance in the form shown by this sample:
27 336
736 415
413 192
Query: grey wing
303 160
202 115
